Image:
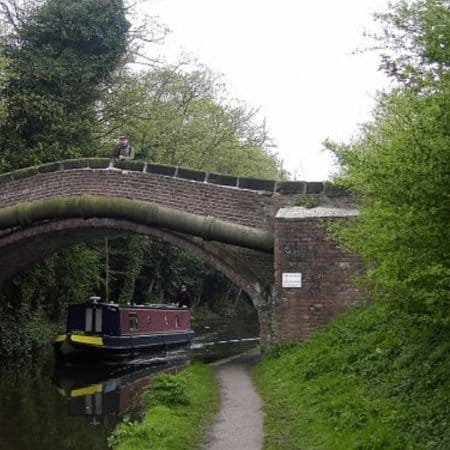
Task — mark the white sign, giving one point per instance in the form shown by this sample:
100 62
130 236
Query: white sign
292 280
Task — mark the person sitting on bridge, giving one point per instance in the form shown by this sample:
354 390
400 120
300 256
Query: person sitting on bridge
123 149
184 299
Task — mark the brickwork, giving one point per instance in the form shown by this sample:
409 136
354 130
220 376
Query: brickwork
302 246
245 201
236 205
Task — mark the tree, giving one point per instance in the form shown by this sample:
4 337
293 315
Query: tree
3 61
415 41
2 103
398 169
59 52
54 60
183 118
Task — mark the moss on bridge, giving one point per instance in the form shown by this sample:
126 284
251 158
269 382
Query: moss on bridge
146 213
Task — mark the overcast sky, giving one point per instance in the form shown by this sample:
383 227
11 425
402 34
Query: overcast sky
293 59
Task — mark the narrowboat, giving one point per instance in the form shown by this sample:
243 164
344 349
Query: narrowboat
98 331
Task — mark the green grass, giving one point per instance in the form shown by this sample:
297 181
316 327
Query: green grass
371 380
178 411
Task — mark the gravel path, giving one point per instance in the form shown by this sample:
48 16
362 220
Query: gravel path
239 423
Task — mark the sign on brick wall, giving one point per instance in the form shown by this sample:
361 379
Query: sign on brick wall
292 280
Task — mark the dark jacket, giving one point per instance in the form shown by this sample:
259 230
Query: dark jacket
184 299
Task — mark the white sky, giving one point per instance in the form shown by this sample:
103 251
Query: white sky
292 59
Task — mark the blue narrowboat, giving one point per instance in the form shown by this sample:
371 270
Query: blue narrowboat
98 331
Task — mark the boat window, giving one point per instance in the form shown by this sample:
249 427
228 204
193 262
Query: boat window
98 320
88 320
166 322
149 319
177 322
133 321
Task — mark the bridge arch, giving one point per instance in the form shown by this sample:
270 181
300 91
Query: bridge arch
32 244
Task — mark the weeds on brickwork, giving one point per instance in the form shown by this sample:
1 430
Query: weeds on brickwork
306 202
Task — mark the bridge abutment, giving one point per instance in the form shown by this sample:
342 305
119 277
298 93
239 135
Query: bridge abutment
313 277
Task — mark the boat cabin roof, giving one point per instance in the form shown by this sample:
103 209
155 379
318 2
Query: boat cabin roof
132 305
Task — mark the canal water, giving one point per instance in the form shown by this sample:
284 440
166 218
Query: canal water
44 406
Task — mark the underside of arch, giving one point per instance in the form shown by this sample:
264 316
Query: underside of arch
22 248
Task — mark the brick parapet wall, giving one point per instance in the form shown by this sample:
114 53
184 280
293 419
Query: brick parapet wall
238 206
246 201
258 184
302 246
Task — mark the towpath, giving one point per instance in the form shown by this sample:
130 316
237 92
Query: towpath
239 423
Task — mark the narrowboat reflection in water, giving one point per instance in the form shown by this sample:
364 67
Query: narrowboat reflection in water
99 331
100 390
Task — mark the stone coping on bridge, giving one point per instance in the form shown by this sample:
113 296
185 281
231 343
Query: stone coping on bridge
254 184
299 212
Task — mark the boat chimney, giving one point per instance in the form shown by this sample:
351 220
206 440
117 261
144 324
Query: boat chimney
94 299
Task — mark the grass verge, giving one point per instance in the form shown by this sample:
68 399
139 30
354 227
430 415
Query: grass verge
373 379
177 412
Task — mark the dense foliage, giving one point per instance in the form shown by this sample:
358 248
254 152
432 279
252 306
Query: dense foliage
150 270
399 168
415 42
58 57
40 297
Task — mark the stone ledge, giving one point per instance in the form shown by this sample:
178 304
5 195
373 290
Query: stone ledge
253 184
299 212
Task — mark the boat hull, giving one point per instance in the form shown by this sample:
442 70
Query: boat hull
72 347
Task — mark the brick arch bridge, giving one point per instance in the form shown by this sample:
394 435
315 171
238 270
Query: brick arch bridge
249 229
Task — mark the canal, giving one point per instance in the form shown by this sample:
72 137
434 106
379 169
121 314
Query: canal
44 406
